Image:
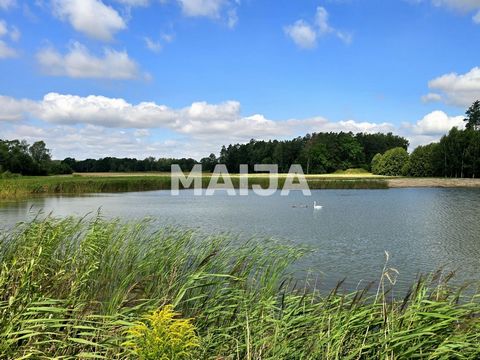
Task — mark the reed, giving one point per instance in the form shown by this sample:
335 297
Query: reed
91 288
22 187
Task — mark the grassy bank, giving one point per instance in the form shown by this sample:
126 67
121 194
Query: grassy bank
27 186
94 289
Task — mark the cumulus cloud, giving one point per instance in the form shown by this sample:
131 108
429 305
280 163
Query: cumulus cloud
305 35
195 130
200 119
12 109
430 128
91 17
437 123
457 89
91 141
78 62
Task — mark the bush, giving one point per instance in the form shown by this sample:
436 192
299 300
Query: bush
393 163
163 335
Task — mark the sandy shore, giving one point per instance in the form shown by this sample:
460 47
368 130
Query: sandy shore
433 182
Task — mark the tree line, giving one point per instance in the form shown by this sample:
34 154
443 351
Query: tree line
18 157
456 155
318 153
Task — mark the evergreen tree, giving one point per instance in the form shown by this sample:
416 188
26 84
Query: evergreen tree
473 116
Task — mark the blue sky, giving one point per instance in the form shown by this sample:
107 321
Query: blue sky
182 77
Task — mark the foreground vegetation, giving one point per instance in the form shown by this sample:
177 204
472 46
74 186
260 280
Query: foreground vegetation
73 288
22 187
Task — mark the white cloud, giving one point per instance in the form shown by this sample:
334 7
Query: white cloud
431 97
95 141
465 6
6 4
457 89
91 17
430 128
437 123
200 119
302 34
462 5
6 51
11 31
99 126
321 19
134 2
12 109
152 45
232 18
305 35
214 9
208 8
80 63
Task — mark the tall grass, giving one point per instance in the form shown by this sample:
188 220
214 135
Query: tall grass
77 288
28 186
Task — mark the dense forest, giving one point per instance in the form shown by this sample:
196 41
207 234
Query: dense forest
457 154
317 153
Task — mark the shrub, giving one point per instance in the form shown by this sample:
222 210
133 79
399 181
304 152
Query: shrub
164 336
393 163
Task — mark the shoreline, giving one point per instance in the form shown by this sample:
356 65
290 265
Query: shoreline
433 183
25 187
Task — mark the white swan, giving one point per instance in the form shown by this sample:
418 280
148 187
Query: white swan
316 207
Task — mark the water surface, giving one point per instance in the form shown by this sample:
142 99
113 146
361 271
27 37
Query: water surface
422 229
